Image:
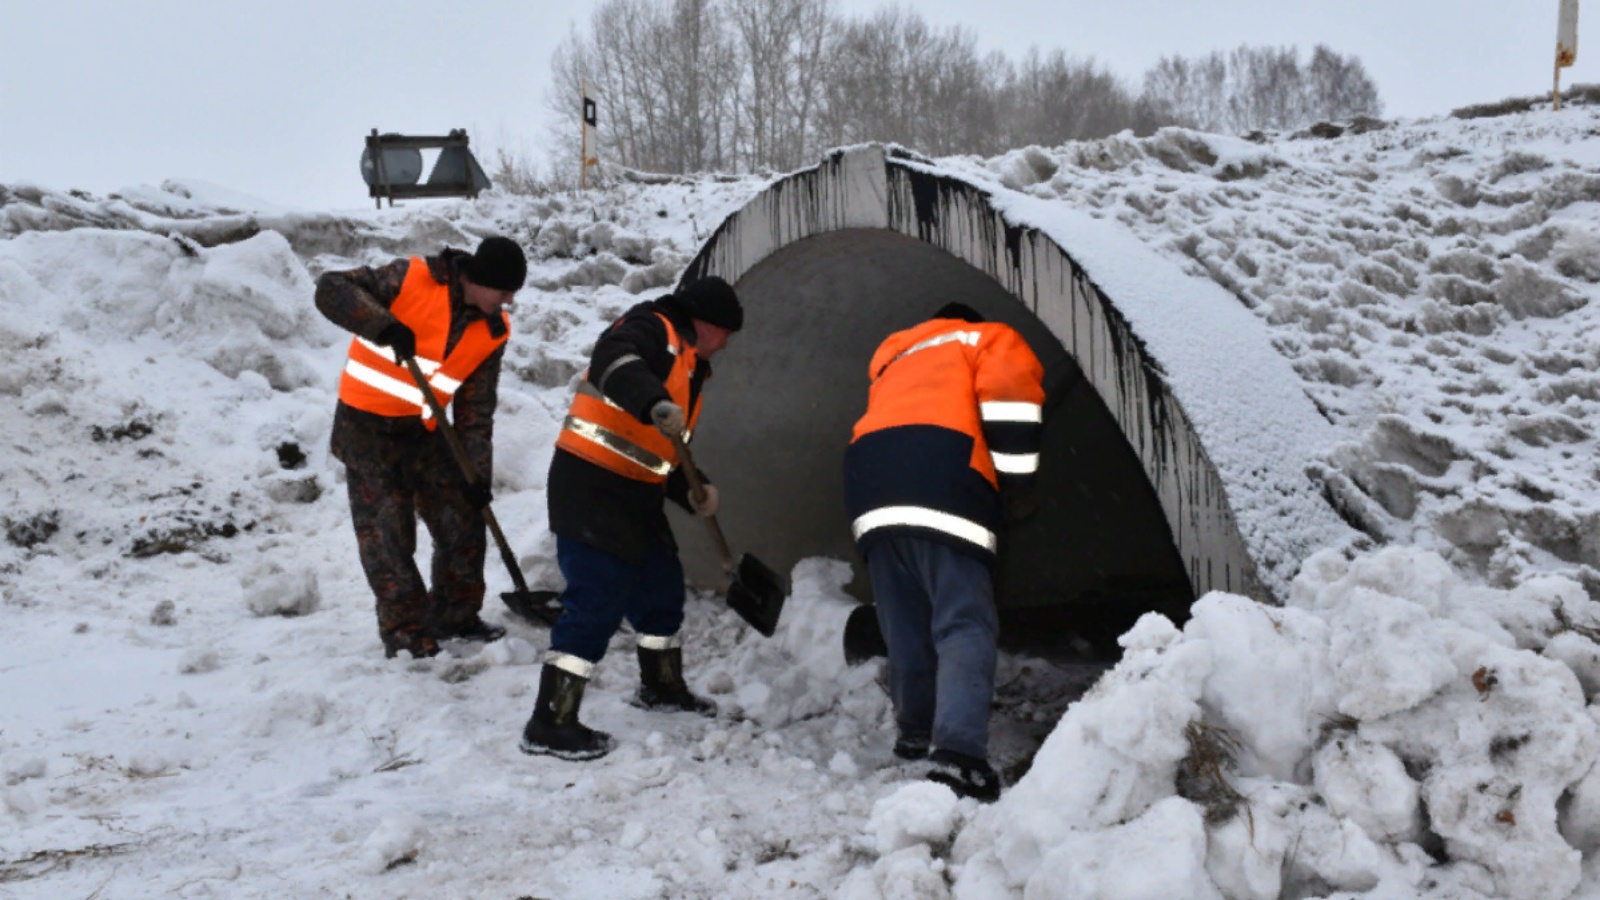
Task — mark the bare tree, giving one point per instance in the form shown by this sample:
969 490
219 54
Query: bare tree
781 44
1259 87
1053 98
1339 86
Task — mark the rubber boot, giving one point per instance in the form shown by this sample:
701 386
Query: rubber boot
968 776
661 684
554 729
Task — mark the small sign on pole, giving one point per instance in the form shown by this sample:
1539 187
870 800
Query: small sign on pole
591 141
1566 42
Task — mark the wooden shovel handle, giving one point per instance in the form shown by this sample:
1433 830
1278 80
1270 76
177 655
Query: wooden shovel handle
468 470
697 490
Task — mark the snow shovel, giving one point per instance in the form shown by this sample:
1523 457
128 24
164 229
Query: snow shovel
755 592
863 639
537 607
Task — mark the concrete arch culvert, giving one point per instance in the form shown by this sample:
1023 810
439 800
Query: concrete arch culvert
1177 441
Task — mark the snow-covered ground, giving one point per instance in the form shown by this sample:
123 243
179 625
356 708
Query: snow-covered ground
193 701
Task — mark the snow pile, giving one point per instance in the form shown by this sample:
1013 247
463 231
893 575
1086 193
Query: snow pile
1393 728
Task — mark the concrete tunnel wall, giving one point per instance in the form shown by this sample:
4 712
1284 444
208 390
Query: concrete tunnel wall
830 260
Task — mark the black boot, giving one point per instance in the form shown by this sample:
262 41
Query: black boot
661 684
473 629
968 776
554 729
911 745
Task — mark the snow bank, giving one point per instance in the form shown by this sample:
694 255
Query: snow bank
1394 728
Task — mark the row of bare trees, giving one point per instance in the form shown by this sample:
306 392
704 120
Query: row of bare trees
1261 88
749 85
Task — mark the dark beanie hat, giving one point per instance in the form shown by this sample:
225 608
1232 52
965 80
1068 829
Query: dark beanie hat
712 300
498 264
958 311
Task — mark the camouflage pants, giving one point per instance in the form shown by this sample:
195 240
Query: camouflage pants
392 482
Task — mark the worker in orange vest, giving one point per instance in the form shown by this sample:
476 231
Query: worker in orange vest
614 467
448 313
948 446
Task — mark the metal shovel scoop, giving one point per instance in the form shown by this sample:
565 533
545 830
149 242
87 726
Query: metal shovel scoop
541 608
755 592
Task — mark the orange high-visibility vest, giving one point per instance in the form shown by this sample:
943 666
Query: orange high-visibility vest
375 382
605 434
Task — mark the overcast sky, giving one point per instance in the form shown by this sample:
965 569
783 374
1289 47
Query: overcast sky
273 98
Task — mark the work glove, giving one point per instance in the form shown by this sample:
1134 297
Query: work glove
668 417
709 502
476 494
1021 504
399 338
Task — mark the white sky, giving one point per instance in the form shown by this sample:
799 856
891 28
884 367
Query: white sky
274 98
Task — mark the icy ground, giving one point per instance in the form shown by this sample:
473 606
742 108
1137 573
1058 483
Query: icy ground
193 702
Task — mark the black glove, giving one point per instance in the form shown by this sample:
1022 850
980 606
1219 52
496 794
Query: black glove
399 338
476 494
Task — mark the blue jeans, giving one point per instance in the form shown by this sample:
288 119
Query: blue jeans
936 609
602 588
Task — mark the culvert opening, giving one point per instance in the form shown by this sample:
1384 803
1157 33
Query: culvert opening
784 397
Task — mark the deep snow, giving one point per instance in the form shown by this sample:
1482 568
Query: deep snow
193 701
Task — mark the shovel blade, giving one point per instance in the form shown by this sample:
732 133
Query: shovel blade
537 608
863 639
756 593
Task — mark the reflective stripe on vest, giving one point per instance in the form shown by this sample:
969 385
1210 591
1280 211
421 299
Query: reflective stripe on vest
605 434
375 382
924 517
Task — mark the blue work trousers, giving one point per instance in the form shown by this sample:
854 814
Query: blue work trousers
936 609
603 588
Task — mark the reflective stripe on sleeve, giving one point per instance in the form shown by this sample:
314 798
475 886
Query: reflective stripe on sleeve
566 662
615 365
1015 463
659 642
1010 411
922 517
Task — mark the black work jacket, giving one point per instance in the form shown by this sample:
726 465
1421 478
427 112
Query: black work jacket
592 505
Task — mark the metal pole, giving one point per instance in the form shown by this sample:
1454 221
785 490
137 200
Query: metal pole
1566 43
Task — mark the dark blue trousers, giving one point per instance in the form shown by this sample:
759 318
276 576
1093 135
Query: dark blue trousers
603 588
936 609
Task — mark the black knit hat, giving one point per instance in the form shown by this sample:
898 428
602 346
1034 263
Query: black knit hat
498 264
958 311
712 300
